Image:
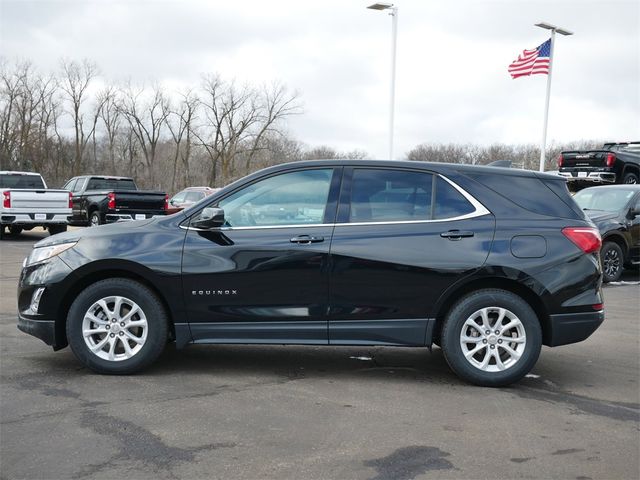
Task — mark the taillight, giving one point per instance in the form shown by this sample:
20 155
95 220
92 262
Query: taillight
6 199
70 200
611 158
166 202
111 205
598 306
560 160
586 239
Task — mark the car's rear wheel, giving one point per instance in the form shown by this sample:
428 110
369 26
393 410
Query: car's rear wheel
491 338
612 260
55 229
15 230
630 178
117 326
94 219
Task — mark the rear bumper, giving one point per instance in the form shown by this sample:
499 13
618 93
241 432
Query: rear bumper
589 177
128 217
573 327
30 219
45 330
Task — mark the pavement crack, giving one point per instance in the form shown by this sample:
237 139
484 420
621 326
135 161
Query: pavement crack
614 410
138 444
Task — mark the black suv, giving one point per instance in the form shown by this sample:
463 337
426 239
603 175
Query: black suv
615 209
488 263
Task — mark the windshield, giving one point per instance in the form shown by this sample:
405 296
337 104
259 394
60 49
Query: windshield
12 180
605 199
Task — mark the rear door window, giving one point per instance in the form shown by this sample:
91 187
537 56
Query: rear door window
386 195
383 195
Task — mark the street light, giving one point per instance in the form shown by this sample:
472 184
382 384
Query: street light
561 31
394 35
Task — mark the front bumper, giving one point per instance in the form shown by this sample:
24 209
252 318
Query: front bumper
45 330
573 327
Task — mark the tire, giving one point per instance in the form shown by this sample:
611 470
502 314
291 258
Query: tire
630 178
2 234
612 261
15 230
55 229
146 337
95 219
525 329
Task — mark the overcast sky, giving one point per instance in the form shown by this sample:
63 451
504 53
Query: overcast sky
452 57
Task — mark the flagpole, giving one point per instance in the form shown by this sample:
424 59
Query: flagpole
562 31
543 146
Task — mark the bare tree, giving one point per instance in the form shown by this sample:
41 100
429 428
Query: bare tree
110 113
146 119
76 79
180 125
236 121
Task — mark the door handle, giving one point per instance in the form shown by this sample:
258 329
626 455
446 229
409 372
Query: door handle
306 239
456 234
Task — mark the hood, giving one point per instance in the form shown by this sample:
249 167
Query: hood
88 232
600 215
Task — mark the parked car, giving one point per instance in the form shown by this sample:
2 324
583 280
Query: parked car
489 263
615 209
105 199
28 203
613 163
188 197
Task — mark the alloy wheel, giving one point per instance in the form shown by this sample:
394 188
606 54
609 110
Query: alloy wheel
611 262
493 339
114 328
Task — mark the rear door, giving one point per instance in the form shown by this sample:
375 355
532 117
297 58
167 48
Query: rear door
402 238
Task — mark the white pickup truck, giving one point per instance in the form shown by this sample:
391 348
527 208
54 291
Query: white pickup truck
27 203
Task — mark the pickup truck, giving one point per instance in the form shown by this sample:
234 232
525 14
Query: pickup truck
28 203
613 163
105 199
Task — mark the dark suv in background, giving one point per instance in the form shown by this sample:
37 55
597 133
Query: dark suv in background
488 263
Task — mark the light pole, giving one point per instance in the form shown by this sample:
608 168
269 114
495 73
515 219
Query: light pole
561 31
394 36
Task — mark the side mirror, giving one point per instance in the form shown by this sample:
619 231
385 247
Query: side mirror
634 212
210 217
172 201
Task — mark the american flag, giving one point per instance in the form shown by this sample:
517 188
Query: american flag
532 62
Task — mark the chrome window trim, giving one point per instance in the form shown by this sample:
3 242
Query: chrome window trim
480 210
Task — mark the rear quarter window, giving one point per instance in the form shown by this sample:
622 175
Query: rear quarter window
529 193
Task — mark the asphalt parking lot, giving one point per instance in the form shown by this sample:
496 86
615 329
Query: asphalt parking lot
317 412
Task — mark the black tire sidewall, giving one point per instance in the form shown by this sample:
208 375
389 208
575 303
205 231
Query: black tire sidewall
610 246
157 324
490 298
630 175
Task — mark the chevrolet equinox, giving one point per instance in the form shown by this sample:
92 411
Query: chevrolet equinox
487 263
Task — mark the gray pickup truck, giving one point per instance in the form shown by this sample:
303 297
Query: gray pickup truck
99 199
28 203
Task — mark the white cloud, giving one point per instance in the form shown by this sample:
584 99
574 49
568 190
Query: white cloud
452 83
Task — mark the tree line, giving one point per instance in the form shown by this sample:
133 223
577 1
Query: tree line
71 122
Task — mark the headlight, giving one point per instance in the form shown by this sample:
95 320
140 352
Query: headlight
41 254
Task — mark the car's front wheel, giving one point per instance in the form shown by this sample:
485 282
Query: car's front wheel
117 326
491 338
612 262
